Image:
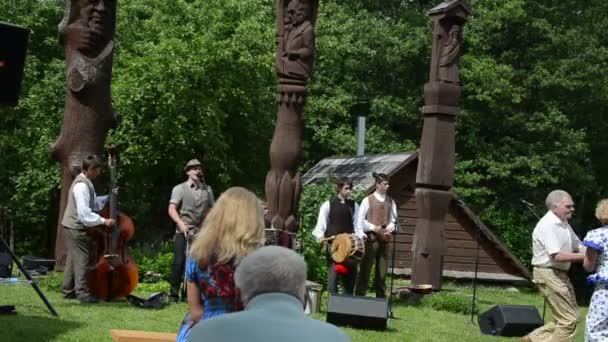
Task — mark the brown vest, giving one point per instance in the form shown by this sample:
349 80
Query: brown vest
379 213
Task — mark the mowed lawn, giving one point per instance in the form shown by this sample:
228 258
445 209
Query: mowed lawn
77 322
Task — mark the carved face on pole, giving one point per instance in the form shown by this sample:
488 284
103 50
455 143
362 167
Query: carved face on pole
96 13
298 11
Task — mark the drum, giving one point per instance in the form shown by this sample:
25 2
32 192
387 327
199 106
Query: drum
347 249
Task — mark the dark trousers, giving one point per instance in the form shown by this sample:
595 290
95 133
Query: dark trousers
78 262
348 280
376 253
179 262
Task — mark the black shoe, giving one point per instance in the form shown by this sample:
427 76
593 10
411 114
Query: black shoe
88 300
69 295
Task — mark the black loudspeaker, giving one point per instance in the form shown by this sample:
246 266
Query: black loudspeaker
6 265
13 44
358 312
509 320
31 263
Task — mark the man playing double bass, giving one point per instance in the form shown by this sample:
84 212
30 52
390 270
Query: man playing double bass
338 216
377 218
79 217
190 201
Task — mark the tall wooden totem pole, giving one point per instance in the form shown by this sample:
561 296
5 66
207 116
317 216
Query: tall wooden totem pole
86 33
294 64
436 162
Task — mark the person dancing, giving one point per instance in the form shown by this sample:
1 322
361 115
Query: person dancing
233 228
596 260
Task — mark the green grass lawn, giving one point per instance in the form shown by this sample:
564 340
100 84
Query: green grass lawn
77 322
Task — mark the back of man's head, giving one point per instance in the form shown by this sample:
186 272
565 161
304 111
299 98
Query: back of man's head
271 269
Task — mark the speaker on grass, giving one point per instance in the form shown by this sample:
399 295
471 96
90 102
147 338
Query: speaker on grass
13 45
358 312
6 265
509 320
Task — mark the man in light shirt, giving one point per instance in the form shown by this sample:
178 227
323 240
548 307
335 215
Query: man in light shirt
338 216
377 218
554 247
79 217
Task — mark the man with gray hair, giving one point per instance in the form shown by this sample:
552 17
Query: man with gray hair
271 282
554 247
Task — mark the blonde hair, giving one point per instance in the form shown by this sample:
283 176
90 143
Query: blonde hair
601 211
233 228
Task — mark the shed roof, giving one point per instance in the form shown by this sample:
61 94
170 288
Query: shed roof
358 169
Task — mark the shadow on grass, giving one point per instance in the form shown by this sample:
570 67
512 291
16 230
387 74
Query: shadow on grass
34 328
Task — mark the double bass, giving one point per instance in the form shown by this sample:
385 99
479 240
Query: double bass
115 272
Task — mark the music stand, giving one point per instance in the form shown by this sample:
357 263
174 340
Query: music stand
29 278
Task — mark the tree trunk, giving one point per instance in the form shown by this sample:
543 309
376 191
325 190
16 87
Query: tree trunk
87 35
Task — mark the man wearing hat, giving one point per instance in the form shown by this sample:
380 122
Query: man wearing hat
190 201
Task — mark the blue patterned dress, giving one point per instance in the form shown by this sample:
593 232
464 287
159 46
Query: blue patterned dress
597 316
216 284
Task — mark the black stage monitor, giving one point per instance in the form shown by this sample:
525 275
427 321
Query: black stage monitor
13 44
357 312
510 320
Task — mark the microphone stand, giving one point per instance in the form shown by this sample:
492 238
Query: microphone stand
474 298
529 206
390 297
29 278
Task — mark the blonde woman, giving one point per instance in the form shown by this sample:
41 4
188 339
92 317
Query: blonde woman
233 228
596 260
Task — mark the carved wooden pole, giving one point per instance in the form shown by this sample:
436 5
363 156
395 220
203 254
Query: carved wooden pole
86 33
436 162
294 61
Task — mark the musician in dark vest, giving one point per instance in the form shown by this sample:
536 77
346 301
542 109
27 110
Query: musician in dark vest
337 216
79 217
190 201
377 218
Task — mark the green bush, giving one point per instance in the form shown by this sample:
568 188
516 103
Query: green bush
153 261
446 301
53 281
159 286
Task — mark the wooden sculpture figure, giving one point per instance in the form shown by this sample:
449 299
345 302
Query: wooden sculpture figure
294 61
448 62
435 176
86 33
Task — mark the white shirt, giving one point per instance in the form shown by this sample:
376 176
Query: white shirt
364 225
551 236
321 227
86 215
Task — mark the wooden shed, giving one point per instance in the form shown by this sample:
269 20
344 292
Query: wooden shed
466 234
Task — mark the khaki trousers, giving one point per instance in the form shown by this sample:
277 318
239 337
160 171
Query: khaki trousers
556 287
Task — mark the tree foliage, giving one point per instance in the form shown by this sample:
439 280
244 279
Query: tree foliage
196 78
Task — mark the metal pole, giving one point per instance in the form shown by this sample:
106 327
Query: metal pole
361 137
29 278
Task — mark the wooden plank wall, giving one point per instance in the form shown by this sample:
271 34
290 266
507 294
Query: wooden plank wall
462 248
460 233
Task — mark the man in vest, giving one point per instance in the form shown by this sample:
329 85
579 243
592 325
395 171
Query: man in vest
377 218
338 216
190 201
78 218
